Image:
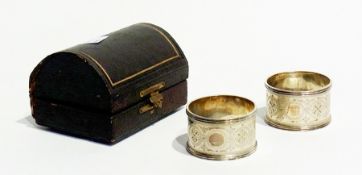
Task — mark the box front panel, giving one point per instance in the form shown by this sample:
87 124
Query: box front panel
131 120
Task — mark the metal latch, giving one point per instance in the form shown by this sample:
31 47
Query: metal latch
155 99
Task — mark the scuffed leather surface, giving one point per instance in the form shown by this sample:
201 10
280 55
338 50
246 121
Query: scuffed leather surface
103 127
70 93
62 77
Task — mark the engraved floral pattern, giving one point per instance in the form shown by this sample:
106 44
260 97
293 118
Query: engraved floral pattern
236 138
299 111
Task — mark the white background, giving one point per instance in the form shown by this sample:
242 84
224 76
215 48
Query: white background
232 47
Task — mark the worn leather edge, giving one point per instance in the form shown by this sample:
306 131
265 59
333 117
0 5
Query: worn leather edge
111 137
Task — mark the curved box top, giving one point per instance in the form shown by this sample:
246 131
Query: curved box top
108 74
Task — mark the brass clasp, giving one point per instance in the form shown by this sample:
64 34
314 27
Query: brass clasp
155 99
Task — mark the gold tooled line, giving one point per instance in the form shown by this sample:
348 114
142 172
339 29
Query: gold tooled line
99 65
142 71
168 39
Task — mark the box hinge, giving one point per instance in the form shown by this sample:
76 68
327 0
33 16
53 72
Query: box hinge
155 98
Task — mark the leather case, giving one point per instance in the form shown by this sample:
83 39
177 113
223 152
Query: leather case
111 87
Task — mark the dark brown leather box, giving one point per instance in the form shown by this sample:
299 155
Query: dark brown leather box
112 87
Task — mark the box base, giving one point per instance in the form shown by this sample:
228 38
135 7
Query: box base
106 127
